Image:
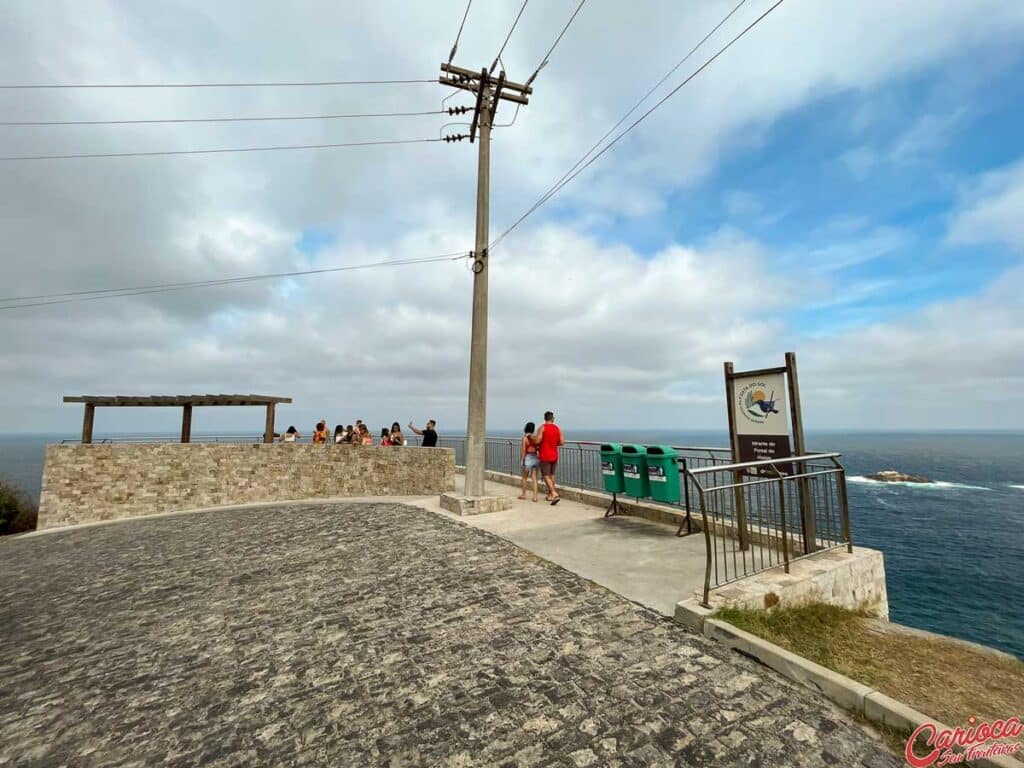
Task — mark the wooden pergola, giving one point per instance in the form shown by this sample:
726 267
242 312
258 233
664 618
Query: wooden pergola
185 402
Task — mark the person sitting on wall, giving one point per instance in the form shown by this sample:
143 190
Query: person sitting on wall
385 436
428 433
291 435
339 434
320 433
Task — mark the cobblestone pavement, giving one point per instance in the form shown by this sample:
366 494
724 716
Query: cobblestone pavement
366 634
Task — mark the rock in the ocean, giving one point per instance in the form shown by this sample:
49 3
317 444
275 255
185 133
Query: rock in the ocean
892 476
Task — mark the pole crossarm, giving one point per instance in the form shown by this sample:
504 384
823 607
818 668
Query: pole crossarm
461 74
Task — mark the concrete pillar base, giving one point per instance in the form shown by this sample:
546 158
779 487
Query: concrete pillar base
459 504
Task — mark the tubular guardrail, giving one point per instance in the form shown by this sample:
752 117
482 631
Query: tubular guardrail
151 439
765 514
579 465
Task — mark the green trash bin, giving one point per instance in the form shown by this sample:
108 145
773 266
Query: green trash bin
634 471
663 472
611 468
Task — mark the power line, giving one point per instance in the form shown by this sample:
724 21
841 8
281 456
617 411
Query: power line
544 61
577 169
315 83
455 45
219 119
509 35
555 187
113 293
220 151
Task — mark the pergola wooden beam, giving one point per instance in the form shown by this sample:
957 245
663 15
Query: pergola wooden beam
185 402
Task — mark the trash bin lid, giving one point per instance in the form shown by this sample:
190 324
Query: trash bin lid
661 450
611 448
633 449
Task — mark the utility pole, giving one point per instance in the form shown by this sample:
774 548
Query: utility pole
489 91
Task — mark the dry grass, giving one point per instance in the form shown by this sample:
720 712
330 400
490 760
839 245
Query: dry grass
944 679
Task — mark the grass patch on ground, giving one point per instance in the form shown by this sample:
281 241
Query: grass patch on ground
944 679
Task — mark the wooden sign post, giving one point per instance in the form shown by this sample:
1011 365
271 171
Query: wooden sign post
759 429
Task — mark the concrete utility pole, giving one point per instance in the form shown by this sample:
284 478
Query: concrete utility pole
489 91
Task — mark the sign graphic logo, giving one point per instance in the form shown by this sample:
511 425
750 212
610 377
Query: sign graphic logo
758 405
759 399
761 418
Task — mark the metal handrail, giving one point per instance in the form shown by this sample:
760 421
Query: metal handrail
603 442
740 466
755 521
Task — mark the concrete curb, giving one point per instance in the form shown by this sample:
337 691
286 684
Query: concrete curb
847 693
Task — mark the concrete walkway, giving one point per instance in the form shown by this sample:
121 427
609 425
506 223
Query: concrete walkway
638 559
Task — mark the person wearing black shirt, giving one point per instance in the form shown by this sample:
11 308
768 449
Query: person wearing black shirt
428 434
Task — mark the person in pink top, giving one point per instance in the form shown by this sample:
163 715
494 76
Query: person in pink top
548 439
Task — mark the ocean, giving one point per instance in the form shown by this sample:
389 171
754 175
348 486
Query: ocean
954 551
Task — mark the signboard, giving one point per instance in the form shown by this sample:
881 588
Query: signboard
656 475
632 471
760 413
762 421
607 468
762 404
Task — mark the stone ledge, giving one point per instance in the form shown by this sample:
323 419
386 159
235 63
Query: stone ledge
854 580
847 693
690 613
458 504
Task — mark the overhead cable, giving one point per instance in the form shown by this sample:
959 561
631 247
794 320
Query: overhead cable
220 119
15 158
509 35
577 169
292 84
455 45
544 61
113 293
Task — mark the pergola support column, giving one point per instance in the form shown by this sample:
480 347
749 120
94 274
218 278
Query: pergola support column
90 414
186 423
268 433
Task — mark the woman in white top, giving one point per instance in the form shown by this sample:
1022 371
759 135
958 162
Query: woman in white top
291 435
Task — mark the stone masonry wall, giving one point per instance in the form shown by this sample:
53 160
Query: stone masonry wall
850 580
86 483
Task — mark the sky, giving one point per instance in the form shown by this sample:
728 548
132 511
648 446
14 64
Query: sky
845 182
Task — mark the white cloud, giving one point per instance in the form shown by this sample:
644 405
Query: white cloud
608 332
955 364
991 211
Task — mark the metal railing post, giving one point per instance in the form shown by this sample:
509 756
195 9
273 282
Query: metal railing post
844 508
708 554
686 501
782 519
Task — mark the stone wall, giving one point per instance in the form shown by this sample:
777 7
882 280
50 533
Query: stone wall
86 483
850 580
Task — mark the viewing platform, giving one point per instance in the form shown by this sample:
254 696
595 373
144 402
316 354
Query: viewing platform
367 632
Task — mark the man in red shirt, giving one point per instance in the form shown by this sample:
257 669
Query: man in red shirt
548 439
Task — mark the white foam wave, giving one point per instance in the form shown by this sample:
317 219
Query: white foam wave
934 485
1018 487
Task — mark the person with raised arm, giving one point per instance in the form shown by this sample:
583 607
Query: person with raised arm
428 433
